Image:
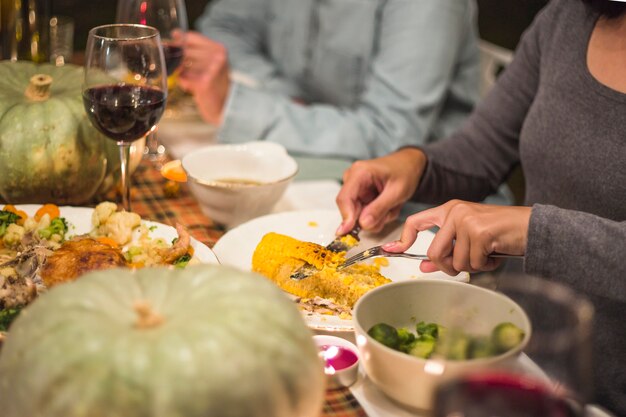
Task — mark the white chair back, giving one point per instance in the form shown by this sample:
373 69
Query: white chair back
493 59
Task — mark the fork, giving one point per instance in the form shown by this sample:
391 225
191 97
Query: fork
337 245
378 251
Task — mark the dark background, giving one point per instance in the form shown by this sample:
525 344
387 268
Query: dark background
500 21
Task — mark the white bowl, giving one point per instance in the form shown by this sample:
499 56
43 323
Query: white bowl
235 183
412 381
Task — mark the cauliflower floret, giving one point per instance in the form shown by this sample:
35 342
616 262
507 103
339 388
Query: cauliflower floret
13 235
30 224
119 226
147 252
102 212
44 222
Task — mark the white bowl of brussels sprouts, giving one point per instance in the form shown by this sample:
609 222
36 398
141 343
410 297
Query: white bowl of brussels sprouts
414 335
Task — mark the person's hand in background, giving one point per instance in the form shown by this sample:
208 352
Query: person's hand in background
373 191
468 233
205 75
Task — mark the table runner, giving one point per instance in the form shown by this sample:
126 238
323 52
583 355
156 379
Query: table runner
150 200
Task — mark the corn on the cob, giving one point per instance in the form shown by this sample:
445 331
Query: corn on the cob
278 256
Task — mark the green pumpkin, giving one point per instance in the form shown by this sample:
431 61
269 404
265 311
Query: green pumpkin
204 341
49 151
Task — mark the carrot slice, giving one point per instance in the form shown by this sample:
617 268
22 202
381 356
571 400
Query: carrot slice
51 209
23 217
22 214
107 241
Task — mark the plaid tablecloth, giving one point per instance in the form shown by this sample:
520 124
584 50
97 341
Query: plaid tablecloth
150 199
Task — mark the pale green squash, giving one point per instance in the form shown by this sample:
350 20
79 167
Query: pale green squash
207 341
49 151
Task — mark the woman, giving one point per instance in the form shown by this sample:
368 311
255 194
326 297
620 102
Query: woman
560 110
343 78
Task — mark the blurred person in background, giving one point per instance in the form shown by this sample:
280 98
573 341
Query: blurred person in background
560 109
337 78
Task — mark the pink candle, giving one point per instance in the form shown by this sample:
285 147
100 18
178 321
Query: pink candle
337 358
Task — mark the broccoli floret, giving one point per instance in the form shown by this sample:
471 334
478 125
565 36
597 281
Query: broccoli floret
506 336
7 316
182 261
385 334
58 226
423 346
7 218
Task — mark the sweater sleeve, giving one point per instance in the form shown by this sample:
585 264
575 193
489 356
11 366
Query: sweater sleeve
405 89
241 26
584 250
473 162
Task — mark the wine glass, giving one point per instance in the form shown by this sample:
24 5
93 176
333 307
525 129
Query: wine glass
125 86
170 18
553 376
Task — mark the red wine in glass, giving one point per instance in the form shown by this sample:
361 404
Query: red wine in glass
124 113
169 17
173 57
503 395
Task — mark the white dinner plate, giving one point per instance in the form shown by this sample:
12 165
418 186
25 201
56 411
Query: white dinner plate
79 222
236 247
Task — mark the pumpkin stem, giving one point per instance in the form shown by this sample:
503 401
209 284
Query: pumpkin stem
39 87
148 318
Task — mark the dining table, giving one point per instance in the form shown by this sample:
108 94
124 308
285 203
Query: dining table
155 198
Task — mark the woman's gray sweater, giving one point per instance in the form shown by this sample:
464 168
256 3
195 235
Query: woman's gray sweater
569 132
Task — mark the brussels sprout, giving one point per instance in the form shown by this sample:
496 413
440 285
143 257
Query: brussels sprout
454 346
423 346
480 347
385 334
407 339
431 329
506 336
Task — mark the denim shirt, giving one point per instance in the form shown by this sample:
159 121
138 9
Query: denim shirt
346 78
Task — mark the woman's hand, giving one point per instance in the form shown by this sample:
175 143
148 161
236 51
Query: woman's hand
373 191
468 233
205 74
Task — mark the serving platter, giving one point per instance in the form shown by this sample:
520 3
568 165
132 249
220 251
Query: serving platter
236 247
79 222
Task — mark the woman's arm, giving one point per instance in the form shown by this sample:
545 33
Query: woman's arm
587 252
472 163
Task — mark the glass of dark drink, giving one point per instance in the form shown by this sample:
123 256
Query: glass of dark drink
552 378
125 86
169 17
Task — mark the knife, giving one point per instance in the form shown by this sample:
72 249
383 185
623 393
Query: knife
338 244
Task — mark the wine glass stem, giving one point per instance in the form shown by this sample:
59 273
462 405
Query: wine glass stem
125 174
152 143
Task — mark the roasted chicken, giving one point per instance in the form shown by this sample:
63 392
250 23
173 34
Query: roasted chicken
77 257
